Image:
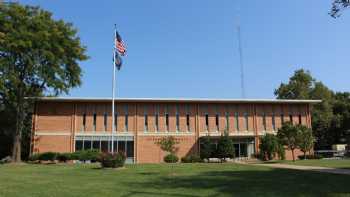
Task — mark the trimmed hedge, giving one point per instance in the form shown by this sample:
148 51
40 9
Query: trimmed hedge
48 156
171 158
191 159
85 155
110 160
301 157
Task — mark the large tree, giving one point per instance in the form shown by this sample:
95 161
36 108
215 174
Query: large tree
303 86
338 6
38 56
306 139
288 136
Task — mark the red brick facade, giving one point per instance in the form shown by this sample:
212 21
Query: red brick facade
59 123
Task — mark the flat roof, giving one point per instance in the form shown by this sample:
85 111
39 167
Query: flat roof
188 100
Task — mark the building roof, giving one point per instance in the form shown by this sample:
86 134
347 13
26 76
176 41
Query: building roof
185 100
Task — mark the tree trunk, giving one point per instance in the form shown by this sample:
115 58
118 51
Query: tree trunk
293 155
16 150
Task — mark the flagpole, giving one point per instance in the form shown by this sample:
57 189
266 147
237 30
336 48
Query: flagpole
113 91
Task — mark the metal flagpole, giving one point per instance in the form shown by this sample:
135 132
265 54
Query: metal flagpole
113 90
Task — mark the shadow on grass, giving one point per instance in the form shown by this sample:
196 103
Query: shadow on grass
272 182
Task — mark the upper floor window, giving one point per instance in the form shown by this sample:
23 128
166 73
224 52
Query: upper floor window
157 118
177 118
126 118
105 121
282 118
188 117
227 117
273 122
299 119
246 121
146 119
264 121
84 122
236 121
166 119
291 118
217 122
94 121
206 121
115 121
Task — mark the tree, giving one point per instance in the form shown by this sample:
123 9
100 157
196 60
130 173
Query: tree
338 6
306 139
288 136
206 148
269 146
225 147
38 56
168 144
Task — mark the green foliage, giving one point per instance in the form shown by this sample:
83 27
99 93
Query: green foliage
168 144
225 147
306 139
85 155
269 147
338 6
288 136
63 157
206 149
191 159
39 56
171 158
330 118
47 156
304 157
112 160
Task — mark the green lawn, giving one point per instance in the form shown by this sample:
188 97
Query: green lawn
331 163
182 180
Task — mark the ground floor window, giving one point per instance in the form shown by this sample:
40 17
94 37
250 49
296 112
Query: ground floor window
104 144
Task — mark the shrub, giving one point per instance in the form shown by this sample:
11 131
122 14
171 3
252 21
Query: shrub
225 147
301 157
191 159
47 156
269 147
171 158
110 160
63 157
85 155
206 149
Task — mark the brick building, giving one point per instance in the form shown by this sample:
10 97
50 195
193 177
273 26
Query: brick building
71 124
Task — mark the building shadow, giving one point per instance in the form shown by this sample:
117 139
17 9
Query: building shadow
269 182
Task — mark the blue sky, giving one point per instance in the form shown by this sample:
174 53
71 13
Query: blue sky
188 48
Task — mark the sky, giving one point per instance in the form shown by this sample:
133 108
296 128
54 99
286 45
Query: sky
189 48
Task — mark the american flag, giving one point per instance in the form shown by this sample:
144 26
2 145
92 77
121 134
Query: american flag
119 44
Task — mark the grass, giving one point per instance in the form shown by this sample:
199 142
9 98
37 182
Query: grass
331 163
184 180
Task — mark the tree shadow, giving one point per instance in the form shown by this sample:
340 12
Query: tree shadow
271 182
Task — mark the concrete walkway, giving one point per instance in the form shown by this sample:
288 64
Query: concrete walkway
308 168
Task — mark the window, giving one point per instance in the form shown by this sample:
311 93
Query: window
78 145
188 117
291 119
246 121
146 119
87 145
157 118
96 145
236 121
166 119
105 121
299 119
94 121
188 122
126 119
282 119
264 121
115 122
84 122
206 121
273 122
227 121
217 122
177 118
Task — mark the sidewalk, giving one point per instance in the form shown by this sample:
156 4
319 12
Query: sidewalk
308 168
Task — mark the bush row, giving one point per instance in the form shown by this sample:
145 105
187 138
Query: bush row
84 155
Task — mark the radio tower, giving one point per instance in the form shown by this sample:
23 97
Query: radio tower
240 55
